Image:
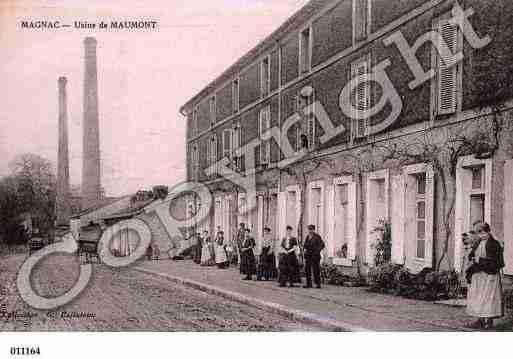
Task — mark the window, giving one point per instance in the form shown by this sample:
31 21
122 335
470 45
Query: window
265 81
316 208
413 216
361 20
307 136
265 125
420 216
341 220
213 153
477 178
447 80
361 96
305 44
235 95
473 197
377 209
236 143
380 187
421 183
477 194
195 162
195 122
227 143
342 193
212 106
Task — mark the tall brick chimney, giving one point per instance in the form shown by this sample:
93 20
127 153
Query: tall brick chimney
91 182
63 209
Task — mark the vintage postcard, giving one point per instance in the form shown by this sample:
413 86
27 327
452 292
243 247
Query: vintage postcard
256 165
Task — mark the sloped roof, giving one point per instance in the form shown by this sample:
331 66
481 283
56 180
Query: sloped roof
130 210
103 203
291 24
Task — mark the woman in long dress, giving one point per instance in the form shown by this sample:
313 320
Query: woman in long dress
247 256
484 299
206 253
197 248
288 265
267 261
220 251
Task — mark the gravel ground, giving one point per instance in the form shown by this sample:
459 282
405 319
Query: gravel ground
126 300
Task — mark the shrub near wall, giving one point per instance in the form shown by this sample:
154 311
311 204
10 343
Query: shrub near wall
427 285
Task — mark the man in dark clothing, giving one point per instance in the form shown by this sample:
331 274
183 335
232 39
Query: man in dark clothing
313 247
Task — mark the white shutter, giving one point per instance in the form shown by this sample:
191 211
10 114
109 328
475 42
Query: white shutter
330 220
430 208
508 216
398 218
352 218
362 97
446 72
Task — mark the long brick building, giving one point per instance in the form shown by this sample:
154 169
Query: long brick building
357 114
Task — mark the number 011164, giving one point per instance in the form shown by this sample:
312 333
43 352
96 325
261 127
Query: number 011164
25 351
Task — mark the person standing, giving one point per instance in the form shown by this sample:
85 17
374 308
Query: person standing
267 262
247 256
241 234
312 251
206 253
221 257
484 299
288 263
197 248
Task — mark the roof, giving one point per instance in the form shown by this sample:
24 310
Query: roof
130 210
291 24
103 203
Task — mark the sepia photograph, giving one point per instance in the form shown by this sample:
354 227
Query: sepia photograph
292 166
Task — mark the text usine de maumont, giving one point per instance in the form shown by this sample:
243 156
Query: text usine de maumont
113 24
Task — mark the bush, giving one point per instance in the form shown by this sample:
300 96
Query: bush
382 277
332 274
425 285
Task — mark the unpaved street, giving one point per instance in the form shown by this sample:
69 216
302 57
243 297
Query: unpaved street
125 300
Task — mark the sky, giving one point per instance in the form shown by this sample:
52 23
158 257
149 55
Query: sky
144 76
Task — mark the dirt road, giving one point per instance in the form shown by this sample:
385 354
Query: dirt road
125 300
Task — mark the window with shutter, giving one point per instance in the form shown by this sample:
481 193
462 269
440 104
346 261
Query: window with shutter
361 20
212 105
362 95
235 95
264 125
213 152
236 141
447 81
418 216
304 50
265 77
195 122
227 143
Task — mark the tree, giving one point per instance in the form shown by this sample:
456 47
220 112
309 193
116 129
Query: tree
30 188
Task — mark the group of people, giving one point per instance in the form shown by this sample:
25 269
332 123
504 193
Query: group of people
270 262
211 251
482 265
288 251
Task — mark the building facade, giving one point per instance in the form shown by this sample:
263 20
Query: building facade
361 115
